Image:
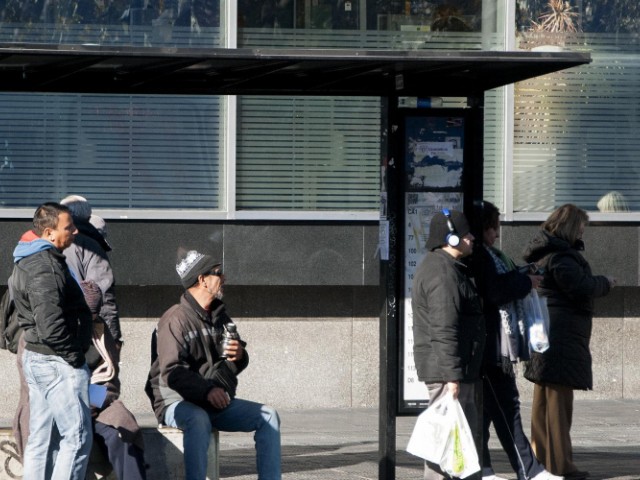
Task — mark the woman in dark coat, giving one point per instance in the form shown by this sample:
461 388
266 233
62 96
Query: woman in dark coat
502 287
570 289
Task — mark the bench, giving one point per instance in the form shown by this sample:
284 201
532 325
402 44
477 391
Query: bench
163 454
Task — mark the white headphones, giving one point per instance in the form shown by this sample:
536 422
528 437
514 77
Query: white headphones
453 239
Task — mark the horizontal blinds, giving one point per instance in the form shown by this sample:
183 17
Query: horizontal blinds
494 132
158 32
576 131
308 153
367 39
129 152
324 153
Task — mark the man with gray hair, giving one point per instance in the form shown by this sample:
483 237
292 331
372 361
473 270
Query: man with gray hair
87 258
193 377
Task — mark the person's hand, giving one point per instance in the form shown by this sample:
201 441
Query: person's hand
233 350
218 398
535 280
612 281
454 388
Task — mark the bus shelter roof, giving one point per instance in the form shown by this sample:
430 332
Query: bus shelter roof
269 71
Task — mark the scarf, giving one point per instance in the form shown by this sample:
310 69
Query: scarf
512 338
106 371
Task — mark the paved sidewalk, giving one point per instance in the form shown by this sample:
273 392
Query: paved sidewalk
342 444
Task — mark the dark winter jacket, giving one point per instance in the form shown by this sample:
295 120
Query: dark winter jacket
51 307
570 289
87 258
448 324
187 357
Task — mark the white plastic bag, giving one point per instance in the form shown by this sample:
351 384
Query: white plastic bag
537 317
460 457
442 436
431 432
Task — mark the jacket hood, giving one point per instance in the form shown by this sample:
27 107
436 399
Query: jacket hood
542 244
85 228
29 244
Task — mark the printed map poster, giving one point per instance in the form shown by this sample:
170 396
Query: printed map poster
420 207
433 167
434 152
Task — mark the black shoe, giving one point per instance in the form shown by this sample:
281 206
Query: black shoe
576 475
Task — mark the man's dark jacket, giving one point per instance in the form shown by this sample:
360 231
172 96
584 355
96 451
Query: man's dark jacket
51 307
570 289
448 324
186 356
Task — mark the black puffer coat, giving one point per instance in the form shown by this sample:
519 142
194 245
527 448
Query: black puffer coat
570 289
51 307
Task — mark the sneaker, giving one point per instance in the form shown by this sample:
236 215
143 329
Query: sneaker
544 475
493 477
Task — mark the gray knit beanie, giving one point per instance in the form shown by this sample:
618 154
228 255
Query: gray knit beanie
193 265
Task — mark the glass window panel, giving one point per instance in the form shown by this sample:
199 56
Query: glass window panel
266 126
123 152
308 153
119 22
576 131
371 24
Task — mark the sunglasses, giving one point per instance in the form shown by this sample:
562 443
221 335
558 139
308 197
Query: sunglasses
217 272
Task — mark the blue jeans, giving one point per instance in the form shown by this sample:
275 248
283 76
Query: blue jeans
60 418
240 416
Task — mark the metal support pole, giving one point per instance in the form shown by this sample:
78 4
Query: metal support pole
389 278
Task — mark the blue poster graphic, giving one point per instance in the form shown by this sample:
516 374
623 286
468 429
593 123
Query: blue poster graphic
434 153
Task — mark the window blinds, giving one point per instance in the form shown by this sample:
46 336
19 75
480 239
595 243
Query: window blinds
122 152
320 153
576 131
309 153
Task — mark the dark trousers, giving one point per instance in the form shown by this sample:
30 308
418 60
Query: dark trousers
126 459
502 408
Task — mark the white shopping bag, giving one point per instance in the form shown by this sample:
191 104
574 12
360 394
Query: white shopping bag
431 432
460 456
442 436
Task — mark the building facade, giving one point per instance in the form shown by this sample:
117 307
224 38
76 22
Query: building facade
287 189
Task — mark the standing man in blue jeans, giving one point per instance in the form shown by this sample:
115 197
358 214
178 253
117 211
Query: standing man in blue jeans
193 377
57 326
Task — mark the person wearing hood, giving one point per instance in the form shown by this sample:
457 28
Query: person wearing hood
570 289
87 258
57 331
448 323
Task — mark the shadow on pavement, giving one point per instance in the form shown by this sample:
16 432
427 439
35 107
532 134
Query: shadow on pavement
603 464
